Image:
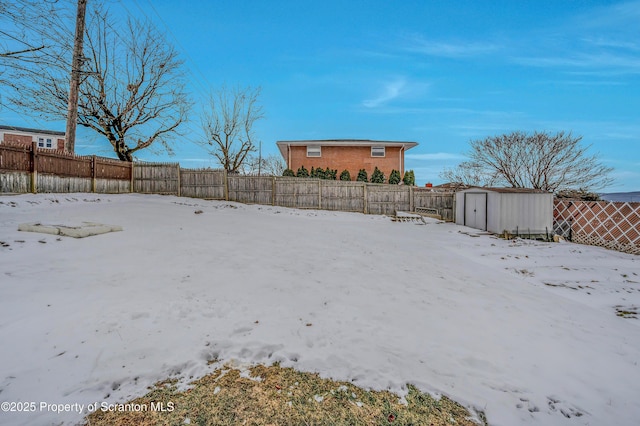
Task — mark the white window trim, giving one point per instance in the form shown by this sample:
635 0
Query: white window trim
314 151
41 143
378 149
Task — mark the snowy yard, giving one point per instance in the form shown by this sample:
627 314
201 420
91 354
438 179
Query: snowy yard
530 332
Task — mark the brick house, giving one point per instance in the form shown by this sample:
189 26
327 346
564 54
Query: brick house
43 138
346 154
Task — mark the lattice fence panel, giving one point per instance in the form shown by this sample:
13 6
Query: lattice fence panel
607 224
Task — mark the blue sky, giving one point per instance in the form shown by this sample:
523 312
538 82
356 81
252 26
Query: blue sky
435 72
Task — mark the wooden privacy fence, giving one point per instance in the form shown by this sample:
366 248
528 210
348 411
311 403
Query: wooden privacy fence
27 168
614 225
305 193
438 203
156 178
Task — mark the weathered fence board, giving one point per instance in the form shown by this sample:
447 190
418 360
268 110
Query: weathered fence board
14 157
342 196
251 189
439 203
387 199
202 183
297 193
62 184
156 178
15 182
61 164
106 168
112 186
27 168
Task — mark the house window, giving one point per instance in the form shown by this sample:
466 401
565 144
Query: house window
49 143
40 142
314 151
377 151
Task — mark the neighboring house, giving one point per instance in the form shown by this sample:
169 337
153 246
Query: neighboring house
44 138
346 154
450 187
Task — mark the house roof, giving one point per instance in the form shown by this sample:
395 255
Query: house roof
453 186
28 130
282 145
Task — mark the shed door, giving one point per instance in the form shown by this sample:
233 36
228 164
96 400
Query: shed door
475 210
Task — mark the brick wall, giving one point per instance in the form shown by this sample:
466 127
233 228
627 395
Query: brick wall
27 139
11 138
352 158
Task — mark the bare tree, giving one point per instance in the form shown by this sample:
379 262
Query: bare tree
132 90
28 38
469 173
24 30
228 125
540 160
271 165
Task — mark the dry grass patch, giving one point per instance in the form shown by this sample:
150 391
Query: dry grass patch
281 396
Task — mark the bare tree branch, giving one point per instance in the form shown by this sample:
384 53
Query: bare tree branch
132 91
228 125
540 160
271 165
28 36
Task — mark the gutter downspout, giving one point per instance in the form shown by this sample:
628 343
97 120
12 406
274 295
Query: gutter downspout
402 159
289 156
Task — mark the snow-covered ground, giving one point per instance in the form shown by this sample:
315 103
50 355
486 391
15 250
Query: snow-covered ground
526 331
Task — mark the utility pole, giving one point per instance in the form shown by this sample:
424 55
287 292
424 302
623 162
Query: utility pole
76 65
260 159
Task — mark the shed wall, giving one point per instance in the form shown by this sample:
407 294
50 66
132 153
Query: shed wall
525 213
521 213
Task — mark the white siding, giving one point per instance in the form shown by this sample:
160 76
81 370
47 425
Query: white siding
523 212
526 213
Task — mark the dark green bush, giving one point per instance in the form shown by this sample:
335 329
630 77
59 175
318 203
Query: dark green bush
377 176
394 177
302 172
288 172
330 174
409 178
345 175
362 176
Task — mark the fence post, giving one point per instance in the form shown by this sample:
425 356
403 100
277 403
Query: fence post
319 194
34 167
131 186
178 167
93 173
411 200
273 191
226 186
453 208
365 196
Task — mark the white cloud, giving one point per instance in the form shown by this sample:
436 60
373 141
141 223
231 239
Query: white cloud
450 49
390 91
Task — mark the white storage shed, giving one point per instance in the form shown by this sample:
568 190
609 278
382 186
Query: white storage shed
518 211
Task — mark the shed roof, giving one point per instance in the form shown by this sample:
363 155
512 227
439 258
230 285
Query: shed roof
508 190
342 142
29 130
